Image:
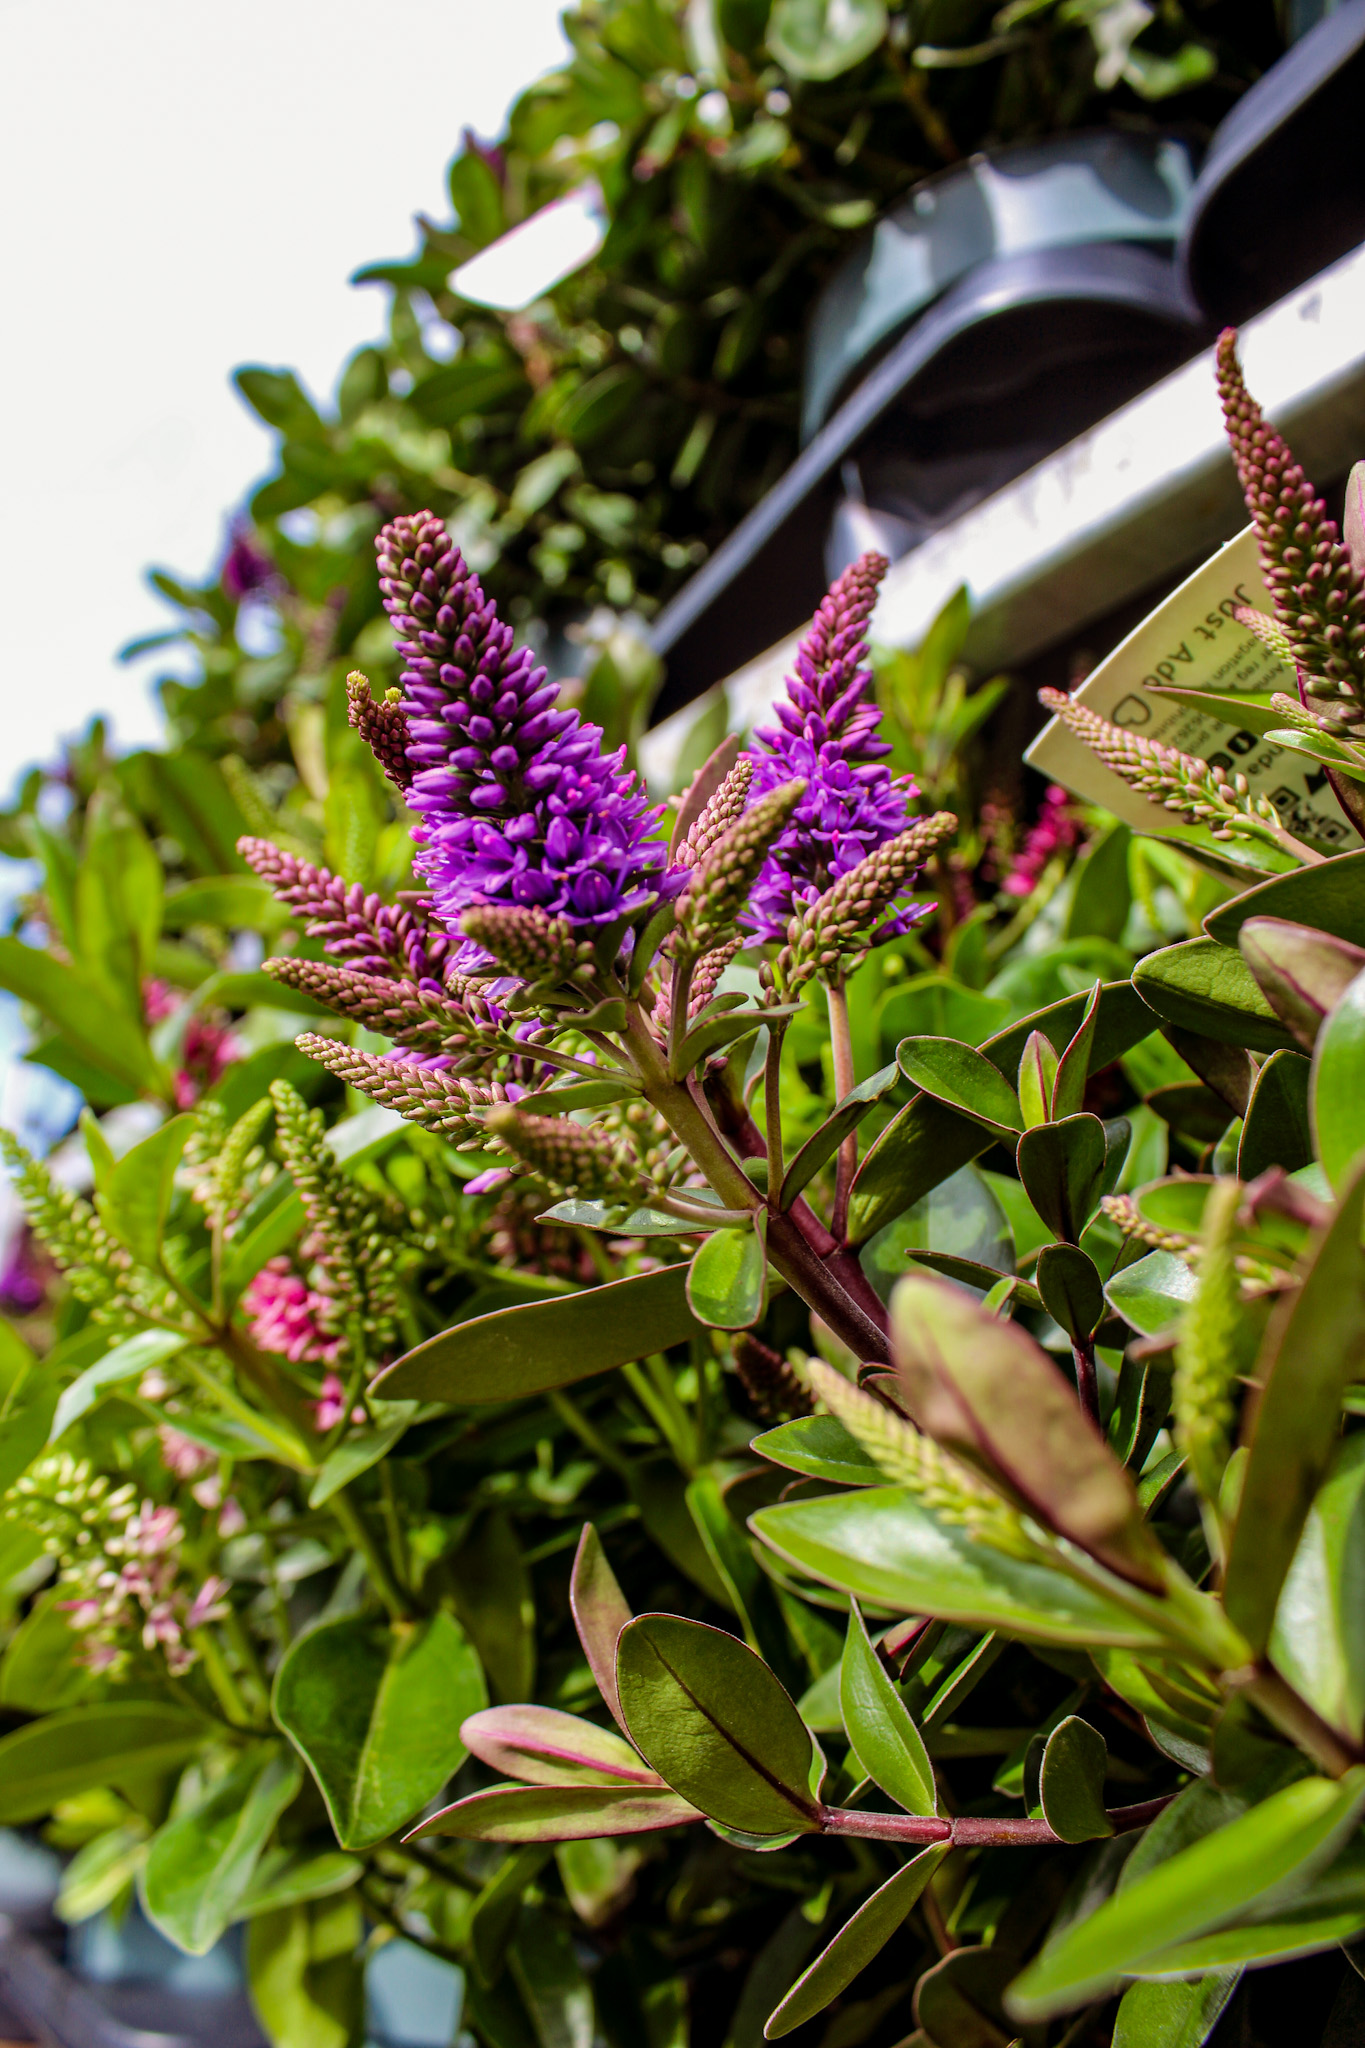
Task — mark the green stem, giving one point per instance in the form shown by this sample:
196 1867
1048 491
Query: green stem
226 1690
845 1079
381 1578
672 1423
772 1105
1293 1716
398 1549
588 1433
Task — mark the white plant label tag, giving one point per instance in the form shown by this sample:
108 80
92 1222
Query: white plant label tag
1193 639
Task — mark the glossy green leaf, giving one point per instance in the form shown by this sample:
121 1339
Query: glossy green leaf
1062 1167
72 1752
544 1344
1071 1290
823 38
1338 1084
1302 973
200 1864
963 1079
495 1600
304 1973
1102 894
821 1448
1037 1075
863 1935
289 1877
1311 1353
927 1141
1318 1640
1331 898
1073 1068
888 1746
28 1402
714 1722
112 1041
1071 1782
126 1361
1270 1851
1173 2015
962 1218
1277 1128
825 1142
620 1220
376 1714
542 1746
727 1282
1153 1293
359 1453
985 1389
1207 987
557 1813
137 1196
959 1998
884 1548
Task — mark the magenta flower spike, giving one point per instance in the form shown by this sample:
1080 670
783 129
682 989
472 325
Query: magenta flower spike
519 805
827 735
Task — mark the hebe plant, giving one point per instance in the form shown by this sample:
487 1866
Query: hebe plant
1008 1684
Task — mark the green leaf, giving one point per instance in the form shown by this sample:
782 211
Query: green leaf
39 1671
200 1864
1207 987
1331 898
1338 1084
27 1406
137 1196
618 1219
1276 1130
823 38
72 1752
820 1447
376 1713
1153 1293
304 1973
1271 1851
825 1142
1173 2015
959 1998
1073 1068
1302 973
883 1547
1071 1291
110 1040
358 1454
1318 1640
964 1079
542 1746
985 1389
600 1612
927 1141
712 1720
544 1344
1062 1166
1071 1782
1102 895
1037 1076
495 1600
862 1936
557 1813
1311 1353
888 1746
239 902
727 1282
130 1358
288 1877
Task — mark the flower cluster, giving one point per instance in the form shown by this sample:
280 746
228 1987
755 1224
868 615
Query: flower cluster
207 1050
828 736
517 800
123 1571
287 1316
1056 830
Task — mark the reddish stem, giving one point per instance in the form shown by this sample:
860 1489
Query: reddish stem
971 1831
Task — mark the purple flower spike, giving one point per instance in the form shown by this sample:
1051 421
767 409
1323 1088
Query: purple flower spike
828 735
518 803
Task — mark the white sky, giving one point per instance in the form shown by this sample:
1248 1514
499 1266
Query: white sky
187 186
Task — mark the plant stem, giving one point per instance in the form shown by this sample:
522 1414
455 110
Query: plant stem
588 1433
972 1830
381 1578
772 1105
225 1687
1295 1718
845 1079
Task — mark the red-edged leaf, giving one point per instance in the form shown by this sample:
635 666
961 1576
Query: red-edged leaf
556 1813
600 1613
544 1747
